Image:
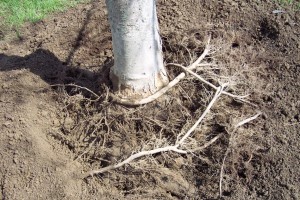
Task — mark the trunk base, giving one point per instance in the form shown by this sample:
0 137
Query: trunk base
137 89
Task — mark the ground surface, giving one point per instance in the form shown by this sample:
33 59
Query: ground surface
50 136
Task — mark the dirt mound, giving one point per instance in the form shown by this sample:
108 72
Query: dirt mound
53 131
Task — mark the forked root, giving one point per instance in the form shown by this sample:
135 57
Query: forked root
79 87
177 147
208 83
245 121
176 80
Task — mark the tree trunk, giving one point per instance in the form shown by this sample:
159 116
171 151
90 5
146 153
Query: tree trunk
138 69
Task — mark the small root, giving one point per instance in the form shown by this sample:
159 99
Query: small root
172 83
80 87
245 121
174 147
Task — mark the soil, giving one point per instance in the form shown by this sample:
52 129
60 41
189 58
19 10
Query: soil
53 132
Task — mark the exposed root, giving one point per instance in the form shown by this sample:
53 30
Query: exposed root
217 95
229 148
207 144
151 98
80 87
245 121
133 157
241 98
174 147
185 143
172 83
177 79
87 149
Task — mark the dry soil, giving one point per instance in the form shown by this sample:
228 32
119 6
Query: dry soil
52 134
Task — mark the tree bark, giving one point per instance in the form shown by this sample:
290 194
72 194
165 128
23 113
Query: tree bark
138 69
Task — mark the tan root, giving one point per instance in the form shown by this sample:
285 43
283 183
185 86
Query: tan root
172 83
177 147
245 121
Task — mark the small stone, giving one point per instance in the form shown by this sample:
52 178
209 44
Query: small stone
4 85
17 136
108 53
45 113
102 54
9 117
56 122
7 124
179 161
57 169
5 47
68 123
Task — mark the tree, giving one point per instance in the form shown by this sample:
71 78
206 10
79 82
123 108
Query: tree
138 69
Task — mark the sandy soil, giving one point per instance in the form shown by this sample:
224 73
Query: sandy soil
51 135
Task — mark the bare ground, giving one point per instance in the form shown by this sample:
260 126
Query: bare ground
51 135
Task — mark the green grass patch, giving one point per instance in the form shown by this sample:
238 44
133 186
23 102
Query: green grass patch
293 3
15 12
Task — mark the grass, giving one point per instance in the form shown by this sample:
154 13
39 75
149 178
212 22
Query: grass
294 3
15 12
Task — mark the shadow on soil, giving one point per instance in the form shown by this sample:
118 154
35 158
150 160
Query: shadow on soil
53 71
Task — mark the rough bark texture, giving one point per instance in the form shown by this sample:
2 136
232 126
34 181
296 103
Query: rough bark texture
138 70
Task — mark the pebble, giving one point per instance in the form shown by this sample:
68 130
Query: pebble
45 113
9 117
7 124
68 123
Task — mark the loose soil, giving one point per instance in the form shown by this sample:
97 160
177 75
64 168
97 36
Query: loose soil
53 132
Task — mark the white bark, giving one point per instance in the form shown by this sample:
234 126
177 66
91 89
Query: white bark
138 69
